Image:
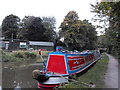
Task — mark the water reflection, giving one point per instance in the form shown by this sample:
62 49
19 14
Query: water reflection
19 77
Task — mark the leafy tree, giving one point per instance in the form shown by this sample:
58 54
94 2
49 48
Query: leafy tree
89 34
36 30
101 41
49 24
77 34
10 26
110 12
69 29
24 25
0 32
35 25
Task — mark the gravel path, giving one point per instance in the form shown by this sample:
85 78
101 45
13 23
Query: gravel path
111 77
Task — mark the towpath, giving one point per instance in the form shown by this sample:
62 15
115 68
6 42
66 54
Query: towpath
0 70
111 77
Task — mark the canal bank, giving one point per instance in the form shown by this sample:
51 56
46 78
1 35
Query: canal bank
17 69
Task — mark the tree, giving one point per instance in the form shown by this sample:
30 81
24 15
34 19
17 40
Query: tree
49 24
77 34
110 11
30 24
89 34
24 25
0 32
69 29
36 30
101 41
10 26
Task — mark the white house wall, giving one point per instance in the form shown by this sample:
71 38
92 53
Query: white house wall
41 43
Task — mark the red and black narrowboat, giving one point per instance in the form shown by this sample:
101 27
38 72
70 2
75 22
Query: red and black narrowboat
61 64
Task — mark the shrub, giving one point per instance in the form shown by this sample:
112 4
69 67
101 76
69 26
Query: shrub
18 56
5 56
29 55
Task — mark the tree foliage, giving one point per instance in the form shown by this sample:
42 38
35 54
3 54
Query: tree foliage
77 34
10 26
0 31
46 26
29 28
110 11
49 23
36 30
101 41
24 25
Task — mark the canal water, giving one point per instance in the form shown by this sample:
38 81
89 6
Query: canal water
19 77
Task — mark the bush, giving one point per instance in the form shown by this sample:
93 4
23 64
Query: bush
18 56
116 52
30 55
5 56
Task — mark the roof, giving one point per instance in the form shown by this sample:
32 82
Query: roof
41 43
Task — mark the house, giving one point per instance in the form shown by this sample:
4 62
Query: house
41 45
17 44
4 44
13 44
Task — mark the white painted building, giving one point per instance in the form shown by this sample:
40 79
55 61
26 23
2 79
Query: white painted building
41 45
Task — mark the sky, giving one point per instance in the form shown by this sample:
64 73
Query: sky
39 8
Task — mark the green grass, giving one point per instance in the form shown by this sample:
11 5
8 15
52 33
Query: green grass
44 54
95 75
18 56
23 56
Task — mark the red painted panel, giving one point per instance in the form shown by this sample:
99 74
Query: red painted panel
89 58
47 86
56 64
75 64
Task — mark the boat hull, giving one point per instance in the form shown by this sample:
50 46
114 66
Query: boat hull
53 82
60 66
47 86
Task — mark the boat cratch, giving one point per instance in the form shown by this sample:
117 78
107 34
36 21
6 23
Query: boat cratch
62 64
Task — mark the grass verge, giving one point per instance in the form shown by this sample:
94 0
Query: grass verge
44 55
18 58
93 78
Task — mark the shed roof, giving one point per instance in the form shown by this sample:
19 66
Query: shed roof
41 43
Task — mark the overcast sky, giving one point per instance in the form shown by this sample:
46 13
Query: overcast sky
56 8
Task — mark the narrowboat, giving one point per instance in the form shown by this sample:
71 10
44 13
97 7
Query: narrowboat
61 64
